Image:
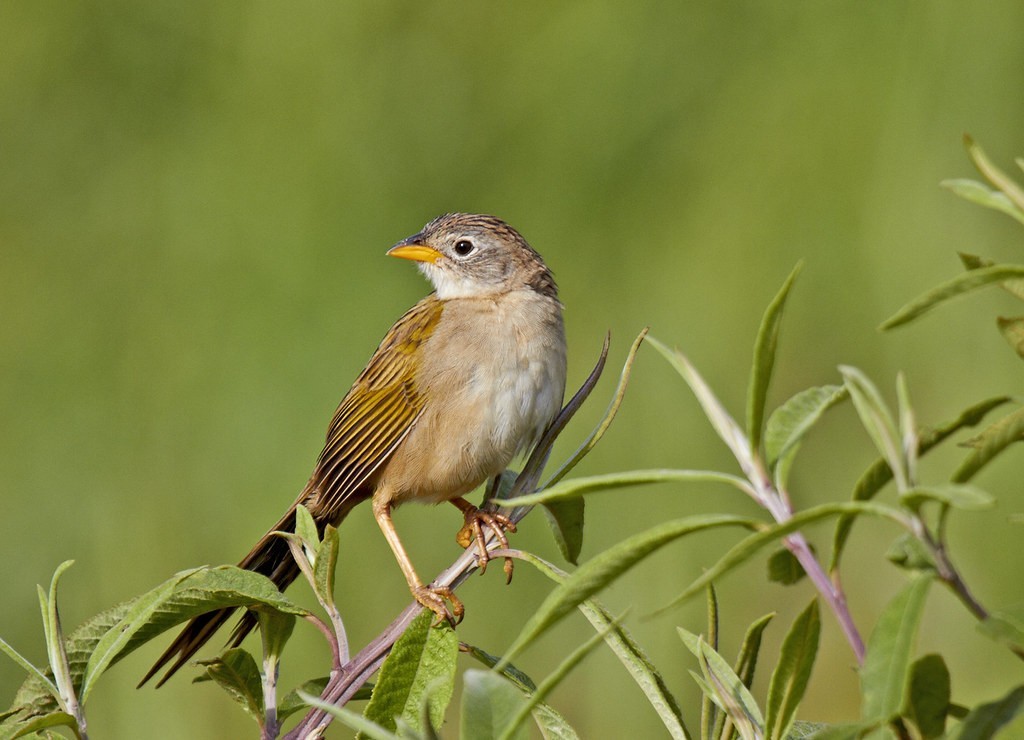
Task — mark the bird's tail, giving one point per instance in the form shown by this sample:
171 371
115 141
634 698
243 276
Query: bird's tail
270 557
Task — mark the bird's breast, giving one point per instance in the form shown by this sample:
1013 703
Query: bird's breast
492 376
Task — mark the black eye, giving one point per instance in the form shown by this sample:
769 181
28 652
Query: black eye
463 247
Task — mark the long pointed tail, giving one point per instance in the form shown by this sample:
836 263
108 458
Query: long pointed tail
272 558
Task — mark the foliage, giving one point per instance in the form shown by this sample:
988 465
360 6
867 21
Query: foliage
903 694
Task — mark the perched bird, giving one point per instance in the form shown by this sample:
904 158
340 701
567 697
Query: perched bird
467 379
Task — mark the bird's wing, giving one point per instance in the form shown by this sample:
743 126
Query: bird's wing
377 412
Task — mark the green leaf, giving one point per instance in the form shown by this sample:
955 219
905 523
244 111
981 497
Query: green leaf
324 567
928 699
421 656
632 657
791 421
306 529
887 662
984 721
789 680
29 727
35 673
114 641
566 520
553 725
545 687
909 553
958 496
973 262
604 568
950 289
764 360
275 629
609 414
196 591
748 547
292 702
784 568
982 195
994 175
55 646
1012 330
746 660
579 486
1004 628
990 443
365 727
236 672
878 473
489 702
724 686
877 420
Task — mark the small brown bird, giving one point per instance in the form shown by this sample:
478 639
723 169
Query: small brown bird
468 378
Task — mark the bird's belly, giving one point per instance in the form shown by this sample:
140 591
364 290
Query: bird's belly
493 410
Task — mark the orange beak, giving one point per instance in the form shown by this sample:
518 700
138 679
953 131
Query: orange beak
415 252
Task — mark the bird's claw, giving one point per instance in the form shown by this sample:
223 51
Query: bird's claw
476 520
436 599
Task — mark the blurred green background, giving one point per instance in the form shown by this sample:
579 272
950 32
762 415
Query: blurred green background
194 208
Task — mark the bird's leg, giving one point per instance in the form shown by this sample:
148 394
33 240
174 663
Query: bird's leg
473 531
435 598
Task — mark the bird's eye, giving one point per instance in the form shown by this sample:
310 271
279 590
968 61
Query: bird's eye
463 247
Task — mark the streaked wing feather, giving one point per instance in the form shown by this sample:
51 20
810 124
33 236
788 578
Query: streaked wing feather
379 410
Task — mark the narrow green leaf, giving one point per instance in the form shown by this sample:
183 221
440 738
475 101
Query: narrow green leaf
236 672
791 421
956 495
33 672
609 414
545 687
982 195
566 519
553 726
887 662
878 473
985 720
489 702
30 727
114 640
1004 628
631 655
994 175
306 529
275 629
909 553
928 696
197 591
579 486
877 420
973 262
748 547
792 672
365 727
950 289
421 656
1012 330
764 360
990 443
711 721
784 568
326 562
746 660
604 568
726 688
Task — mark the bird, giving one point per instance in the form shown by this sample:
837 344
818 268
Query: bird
466 380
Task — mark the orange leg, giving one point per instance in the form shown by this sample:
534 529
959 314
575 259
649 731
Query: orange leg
435 598
476 520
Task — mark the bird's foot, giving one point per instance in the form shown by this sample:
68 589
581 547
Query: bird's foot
477 520
436 599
